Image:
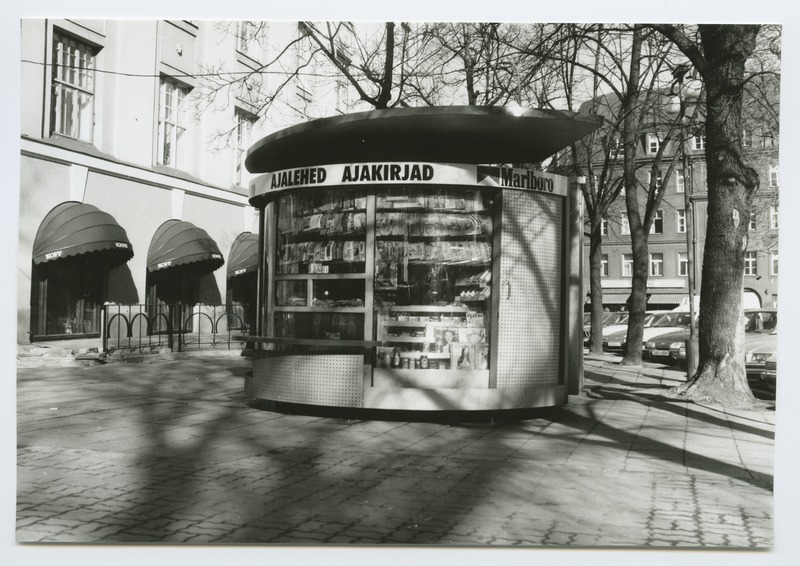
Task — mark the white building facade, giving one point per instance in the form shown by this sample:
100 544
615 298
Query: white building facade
133 187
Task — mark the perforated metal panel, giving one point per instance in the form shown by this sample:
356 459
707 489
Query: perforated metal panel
531 289
314 379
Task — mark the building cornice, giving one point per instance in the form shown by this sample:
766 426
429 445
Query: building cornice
95 161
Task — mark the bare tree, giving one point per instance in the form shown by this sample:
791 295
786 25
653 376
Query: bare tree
629 70
719 53
645 107
374 63
478 63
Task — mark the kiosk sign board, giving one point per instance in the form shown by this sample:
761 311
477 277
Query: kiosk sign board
355 174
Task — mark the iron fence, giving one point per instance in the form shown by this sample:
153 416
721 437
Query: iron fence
143 328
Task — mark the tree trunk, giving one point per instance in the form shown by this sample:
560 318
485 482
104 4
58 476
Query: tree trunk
721 375
637 304
638 298
595 286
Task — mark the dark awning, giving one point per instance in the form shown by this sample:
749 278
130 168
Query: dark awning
621 297
665 298
74 228
243 258
177 243
452 134
610 298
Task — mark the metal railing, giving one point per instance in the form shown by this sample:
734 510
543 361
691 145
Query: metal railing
172 327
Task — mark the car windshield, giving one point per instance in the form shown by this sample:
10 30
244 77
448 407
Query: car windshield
760 321
674 319
653 319
615 318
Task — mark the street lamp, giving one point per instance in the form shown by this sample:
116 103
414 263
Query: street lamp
685 93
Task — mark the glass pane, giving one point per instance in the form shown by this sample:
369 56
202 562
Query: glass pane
338 293
321 232
321 326
73 295
433 259
167 150
84 122
291 293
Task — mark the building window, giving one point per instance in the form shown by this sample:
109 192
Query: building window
699 142
604 226
73 88
304 95
773 177
625 227
747 138
245 32
659 178
680 221
604 265
683 264
773 217
767 140
773 263
241 142
657 227
750 266
172 124
657 265
680 182
653 144
616 149
627 265
751 225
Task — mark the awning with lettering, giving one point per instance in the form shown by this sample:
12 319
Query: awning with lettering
621 297
74 228
178 243
665 298
616 298
243 258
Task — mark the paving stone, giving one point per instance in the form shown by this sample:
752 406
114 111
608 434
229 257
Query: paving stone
186 461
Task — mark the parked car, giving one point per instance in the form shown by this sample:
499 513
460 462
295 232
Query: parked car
769 376
667 346
587 328
757 354
615 341
760 340
615 323
612 322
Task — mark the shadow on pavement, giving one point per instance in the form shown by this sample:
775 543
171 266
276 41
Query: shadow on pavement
178 455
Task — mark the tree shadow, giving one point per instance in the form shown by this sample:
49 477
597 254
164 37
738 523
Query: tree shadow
177 453
670 404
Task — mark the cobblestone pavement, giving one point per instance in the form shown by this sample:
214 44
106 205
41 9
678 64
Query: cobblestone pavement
174 452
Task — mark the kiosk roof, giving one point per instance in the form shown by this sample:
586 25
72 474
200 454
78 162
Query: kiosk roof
452 134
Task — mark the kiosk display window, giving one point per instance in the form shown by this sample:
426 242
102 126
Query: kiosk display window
320 265
433 259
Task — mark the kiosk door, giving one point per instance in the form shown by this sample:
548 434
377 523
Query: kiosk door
531 338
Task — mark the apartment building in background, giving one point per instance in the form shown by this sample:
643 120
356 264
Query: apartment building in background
668 248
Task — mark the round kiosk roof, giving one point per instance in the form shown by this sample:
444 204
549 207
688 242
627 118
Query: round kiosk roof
451 134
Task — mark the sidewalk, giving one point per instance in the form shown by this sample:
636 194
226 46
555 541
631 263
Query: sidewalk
174 452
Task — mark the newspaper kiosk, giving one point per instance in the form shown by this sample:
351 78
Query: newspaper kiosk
408 268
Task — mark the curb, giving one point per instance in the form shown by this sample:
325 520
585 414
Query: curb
80 360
